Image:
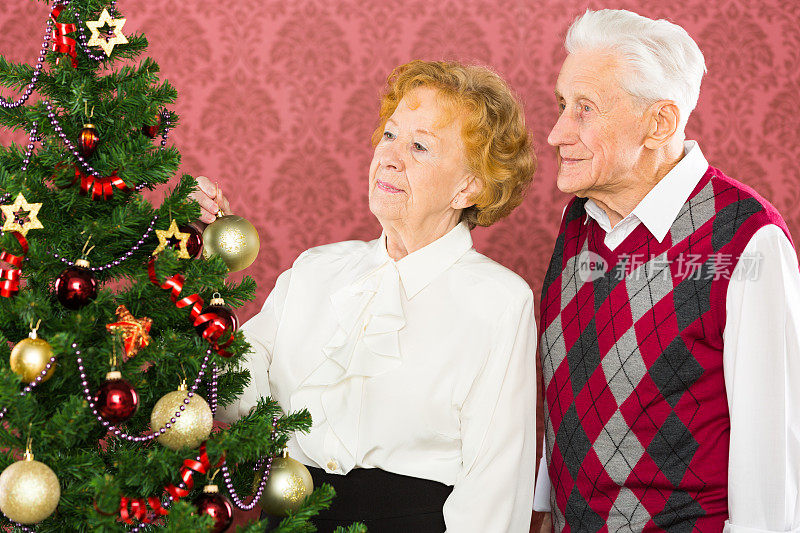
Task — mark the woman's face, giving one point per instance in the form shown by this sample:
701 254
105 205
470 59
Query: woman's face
418 178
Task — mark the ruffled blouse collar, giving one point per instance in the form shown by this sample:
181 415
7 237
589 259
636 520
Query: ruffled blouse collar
369 314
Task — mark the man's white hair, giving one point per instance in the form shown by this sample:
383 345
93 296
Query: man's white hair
662 60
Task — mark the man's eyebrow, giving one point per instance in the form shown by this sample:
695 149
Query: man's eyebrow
578 96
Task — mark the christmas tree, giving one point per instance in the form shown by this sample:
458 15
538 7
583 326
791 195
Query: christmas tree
106 307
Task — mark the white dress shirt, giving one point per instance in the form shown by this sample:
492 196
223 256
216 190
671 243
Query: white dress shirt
761 358
424 367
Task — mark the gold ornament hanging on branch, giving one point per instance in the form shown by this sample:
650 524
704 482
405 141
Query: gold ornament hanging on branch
30 357
191 428
21 216
172 233
29 490
232 238
288 484
105 42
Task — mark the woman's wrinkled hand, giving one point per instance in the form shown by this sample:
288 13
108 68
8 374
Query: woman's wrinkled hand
211 200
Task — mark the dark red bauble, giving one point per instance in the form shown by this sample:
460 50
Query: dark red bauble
76 287
88 139
195 243
117 400
152 131
225 313
217 506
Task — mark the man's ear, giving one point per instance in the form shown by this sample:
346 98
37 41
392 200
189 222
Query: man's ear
664 118
470 189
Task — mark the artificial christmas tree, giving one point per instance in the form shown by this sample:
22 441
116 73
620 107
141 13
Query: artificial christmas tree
76 257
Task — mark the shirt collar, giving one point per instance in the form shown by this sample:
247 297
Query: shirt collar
419 268
659 208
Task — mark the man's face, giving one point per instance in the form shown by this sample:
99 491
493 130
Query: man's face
600 130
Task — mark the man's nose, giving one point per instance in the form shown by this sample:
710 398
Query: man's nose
563 130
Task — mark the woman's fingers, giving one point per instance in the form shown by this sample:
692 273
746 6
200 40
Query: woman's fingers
209 196
208 209
223 203
206 186
204 195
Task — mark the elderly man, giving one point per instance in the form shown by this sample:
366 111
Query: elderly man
670 311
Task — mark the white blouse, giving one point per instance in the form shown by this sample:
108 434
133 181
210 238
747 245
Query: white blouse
423 367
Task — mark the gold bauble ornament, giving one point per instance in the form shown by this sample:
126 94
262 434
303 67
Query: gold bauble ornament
191 428
30 356
29 491
232 238
288 484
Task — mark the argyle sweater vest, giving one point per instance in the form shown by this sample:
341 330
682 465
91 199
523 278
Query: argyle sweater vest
636 417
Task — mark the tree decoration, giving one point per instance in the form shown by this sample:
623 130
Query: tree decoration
29 490
214 330
168 236
151 130
191 428
131 509
224 313
9 277
134 331
62 43
215 505
288 484
116 400
21 216
107 43
76 286
32 358
88 139
90 183
194 245
232 238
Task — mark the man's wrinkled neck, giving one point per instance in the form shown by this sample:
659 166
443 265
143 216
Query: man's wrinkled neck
620 201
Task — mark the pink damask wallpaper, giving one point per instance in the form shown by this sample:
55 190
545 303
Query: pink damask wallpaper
278 100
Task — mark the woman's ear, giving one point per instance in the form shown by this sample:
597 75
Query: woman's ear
471 187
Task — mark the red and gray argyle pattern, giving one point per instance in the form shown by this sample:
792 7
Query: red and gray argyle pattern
636 417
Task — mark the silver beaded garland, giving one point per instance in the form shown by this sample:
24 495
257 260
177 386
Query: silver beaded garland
157 433
226 476
120 259
36 72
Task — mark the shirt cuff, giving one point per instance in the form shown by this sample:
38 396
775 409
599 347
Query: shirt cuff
730 528
541 496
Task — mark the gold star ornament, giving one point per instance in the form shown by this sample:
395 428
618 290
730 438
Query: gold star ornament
21 216
104 42
174 233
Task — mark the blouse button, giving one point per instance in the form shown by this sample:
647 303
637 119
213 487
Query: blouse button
332 465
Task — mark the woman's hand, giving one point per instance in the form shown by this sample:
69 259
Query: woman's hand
211 200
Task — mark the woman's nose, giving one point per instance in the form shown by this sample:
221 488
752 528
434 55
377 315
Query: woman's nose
392 157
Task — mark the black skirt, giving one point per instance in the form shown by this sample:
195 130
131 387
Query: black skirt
385 502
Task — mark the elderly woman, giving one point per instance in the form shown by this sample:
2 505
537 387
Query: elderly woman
414 354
